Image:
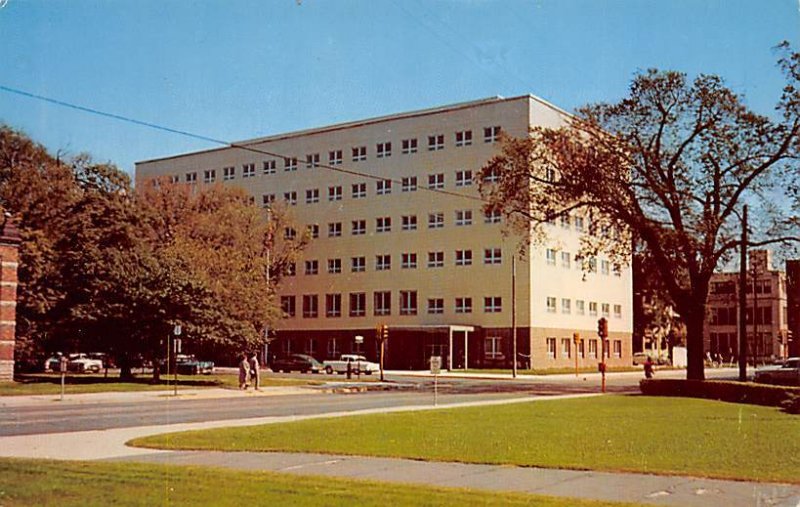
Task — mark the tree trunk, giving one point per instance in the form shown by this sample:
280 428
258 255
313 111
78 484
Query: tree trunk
694 317
125 372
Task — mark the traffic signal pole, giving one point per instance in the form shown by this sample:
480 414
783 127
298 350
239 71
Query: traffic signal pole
743 300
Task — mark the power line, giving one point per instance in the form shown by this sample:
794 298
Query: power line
244 147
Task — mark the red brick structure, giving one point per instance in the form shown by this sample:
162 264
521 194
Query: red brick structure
9 259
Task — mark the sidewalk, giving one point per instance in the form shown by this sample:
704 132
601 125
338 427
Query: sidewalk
643 488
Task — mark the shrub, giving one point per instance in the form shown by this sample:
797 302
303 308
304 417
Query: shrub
736 392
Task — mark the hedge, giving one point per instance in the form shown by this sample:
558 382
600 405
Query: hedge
736 392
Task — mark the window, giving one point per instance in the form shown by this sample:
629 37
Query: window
464 217
565 348
359 227
312 195
565 260
409 261
580 307
605 309
617 270
312 160
463 138
358 304
290 164
566 305
492 256
268 167
581 348
463 305
288 306
383 262
310 306
492 175
248 170
291 269
435 305
383 224
359 153
335 193
312 267
334 266
358 264
593 308
409 222
593 349
382 303
436 180
334 229
383 187
436 142
617 311
209 176
463 178
592 265
493 304
550 254
492 216
267 199
409 146
579 224
289 233
409 184
173 179
605 267
313 230
228 173
384 150
491 347
290 198
435 259
551 348
408 302
565 221
491 134
463 257
435 220
617 348
333 305
359 190
551 304
335 157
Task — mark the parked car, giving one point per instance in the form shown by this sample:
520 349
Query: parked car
82 363
188 364
786 373
53 363
357 364
641 357
297 362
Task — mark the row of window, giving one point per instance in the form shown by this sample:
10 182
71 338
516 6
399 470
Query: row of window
580 307
383 262
729 315
551 256
384 224
409 146
382 304
729 287
567 345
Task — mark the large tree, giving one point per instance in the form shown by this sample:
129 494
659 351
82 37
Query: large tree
668 166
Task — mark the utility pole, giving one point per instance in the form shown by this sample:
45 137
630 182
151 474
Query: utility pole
514 316
743 300
756 340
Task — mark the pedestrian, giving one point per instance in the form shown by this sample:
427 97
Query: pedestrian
255 374
244 369
648 367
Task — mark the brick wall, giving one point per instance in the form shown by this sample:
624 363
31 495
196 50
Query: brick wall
9 259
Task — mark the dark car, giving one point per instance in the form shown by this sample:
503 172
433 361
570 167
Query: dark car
297 362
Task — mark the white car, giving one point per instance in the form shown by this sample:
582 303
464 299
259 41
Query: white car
357 364
786 373
82 363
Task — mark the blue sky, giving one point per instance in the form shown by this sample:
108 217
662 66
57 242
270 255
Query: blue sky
235 70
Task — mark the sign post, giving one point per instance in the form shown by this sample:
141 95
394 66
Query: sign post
177 345
359 340
62 366
436 369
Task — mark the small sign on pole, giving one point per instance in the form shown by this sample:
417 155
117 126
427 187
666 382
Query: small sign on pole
176 330
436 369
62 366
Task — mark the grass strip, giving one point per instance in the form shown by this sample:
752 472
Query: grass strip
613 433
65 484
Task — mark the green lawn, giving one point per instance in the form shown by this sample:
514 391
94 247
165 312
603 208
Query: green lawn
50 383
64 484
616 433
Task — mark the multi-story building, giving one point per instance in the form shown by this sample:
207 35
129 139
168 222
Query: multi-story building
793 306
400 238
767 335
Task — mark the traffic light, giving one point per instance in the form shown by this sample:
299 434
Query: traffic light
602 327
385 332
576 337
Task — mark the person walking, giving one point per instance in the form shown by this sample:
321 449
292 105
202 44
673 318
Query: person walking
648 367
255 374
244 369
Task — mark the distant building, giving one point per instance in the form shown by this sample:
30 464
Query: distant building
793 306
9 261
401 239
767 323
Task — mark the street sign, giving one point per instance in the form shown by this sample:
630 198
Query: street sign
177 330
436 365
359 339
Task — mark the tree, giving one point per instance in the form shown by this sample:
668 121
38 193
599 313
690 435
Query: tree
668 166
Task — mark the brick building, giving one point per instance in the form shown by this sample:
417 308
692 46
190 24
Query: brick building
9 258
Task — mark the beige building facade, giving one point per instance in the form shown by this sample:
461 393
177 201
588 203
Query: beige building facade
400 239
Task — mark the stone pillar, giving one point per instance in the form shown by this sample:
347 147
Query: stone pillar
9 259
